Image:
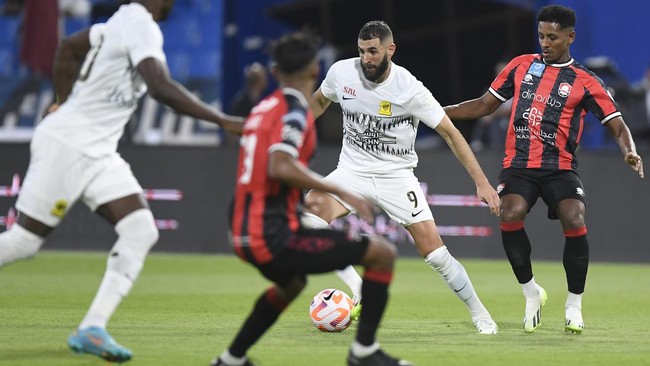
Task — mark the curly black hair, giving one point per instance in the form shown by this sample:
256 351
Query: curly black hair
565 17
294 51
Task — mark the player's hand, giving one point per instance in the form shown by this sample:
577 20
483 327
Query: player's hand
489 196
634 161
365 210
51 109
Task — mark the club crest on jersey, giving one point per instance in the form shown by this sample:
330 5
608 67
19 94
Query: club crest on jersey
564 89
385 108
536 69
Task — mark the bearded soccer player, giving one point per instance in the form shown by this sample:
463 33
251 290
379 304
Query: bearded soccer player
383 104
99 75
551 94
278 140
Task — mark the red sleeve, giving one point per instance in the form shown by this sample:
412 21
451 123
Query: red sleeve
597 98
503 87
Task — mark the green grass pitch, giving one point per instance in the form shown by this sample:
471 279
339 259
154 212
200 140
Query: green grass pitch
185 309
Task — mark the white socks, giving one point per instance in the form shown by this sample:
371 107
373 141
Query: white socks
232 360
348 275
362 351
573 300
18 243
351 278
531 291
137 233
457 279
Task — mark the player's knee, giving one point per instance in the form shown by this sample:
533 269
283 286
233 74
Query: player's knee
18 243
139 229
381 254
512 214
137 233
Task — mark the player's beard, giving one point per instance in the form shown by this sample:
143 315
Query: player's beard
375 73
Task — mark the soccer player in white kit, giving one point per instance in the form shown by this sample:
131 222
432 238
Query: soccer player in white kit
99 75
382 104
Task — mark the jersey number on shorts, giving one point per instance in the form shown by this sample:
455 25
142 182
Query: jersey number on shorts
413 198
248 142
90 60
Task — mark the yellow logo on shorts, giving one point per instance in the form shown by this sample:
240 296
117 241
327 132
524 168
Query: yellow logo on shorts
384 108
59 208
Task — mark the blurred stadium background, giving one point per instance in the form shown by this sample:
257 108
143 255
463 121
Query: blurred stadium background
452 46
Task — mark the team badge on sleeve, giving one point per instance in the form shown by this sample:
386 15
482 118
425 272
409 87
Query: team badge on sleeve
385 108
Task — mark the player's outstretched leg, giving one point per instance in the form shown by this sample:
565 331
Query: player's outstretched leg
535 299
348 274
97 341
457 279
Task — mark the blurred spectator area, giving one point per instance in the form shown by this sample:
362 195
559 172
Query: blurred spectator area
192 45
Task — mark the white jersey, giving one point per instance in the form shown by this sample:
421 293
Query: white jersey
107 90
380 121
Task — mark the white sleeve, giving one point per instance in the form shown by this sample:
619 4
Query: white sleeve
328 86
425 107
144 39
96 32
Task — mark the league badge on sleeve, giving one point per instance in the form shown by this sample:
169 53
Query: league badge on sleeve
536 69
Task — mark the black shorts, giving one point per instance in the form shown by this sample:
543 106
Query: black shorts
552 185
314 251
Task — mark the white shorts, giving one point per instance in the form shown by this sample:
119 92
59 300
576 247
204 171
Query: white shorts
401 197
59 175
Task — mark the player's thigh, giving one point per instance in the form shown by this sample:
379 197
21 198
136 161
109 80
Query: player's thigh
403 200
114 180
311 251
560 186
56 176
361 185
522 182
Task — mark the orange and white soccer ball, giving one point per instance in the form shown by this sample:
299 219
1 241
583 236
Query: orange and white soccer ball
330 310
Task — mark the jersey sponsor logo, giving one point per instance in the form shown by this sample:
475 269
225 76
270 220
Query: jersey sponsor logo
349 91
533 116
523 132
528 79
564 89
536 69
547 99
373 134
59 208
385 108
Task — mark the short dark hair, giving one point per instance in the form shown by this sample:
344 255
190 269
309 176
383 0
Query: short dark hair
294 51
565 17
375 29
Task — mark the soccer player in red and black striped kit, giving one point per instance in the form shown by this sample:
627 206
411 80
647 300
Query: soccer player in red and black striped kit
551 95
278 140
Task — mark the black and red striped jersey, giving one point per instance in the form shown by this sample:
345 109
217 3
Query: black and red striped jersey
264 211
548 110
